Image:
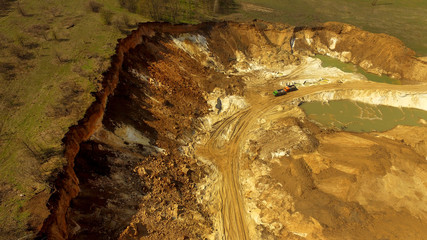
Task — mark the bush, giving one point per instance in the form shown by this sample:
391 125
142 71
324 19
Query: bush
56 12
95 6
5 66
39 30
61 57
57 35
27 42
21 52
127 21
5 5
4 41
121 26
107 16
7 71
131 5
21 10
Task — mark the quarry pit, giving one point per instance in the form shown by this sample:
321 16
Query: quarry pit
186 141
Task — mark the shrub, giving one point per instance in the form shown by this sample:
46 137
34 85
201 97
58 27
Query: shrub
27 42
5 66
107 16
95 6
58 36
39 30
4 41
21 52
127 21
21 10
61 57
7 71
5 5
122 27
131 5
56 12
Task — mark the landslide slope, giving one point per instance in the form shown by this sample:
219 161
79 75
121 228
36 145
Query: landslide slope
159 153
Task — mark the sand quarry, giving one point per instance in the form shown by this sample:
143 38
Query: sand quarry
186 140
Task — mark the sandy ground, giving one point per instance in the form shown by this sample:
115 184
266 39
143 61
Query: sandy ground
285 178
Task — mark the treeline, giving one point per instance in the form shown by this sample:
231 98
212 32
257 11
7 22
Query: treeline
178 10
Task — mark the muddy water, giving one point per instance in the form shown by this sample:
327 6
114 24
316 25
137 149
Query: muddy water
351 68
361 117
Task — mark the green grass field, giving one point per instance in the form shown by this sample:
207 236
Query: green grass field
404 19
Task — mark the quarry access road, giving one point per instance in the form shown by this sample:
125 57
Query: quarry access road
225 144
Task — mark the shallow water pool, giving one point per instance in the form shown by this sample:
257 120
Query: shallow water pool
351 68
361 117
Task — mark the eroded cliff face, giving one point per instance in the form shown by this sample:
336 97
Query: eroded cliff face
66 185
376 53
136 156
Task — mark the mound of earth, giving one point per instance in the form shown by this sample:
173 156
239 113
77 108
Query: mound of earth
185 140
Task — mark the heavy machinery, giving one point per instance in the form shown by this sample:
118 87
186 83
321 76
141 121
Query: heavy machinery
288 88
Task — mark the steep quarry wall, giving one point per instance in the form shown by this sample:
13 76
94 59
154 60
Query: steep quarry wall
66 185
152 101
376 53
